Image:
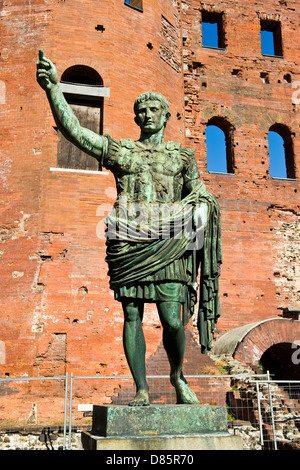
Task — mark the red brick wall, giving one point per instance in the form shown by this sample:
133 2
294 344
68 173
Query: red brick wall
260 215
57 312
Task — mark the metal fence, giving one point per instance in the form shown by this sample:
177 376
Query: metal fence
278 408
33 405
264 412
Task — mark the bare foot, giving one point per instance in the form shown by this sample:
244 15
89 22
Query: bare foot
184 393
141 399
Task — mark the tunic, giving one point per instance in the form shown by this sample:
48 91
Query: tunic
148 259
151 178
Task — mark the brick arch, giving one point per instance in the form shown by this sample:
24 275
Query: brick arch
269 119
64 65
220 121
217 111
249 342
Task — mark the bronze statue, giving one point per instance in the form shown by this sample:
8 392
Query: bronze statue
151 256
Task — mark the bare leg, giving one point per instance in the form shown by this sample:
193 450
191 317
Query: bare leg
174 343
135 349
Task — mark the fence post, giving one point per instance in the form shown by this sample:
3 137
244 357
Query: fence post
65 411
272 413
70 411
259 414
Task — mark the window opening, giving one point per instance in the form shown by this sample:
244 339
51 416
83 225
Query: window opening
271 38
213 34
281 152
219 146
89 111
136 4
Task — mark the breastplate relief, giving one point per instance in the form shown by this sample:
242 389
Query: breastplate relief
149 175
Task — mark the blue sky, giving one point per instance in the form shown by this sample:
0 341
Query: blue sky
210 34
277 155
267 42
216 150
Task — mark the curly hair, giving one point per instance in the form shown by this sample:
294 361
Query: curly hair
151 95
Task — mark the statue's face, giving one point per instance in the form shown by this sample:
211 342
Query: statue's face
151 116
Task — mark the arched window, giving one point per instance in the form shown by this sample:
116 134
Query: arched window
219 144
281 152
83 89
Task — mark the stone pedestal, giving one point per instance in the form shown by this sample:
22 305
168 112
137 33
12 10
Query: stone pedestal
160 427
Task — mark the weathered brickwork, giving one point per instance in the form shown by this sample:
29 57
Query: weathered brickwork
57 312
260 215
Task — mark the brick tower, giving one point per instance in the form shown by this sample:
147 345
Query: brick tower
237 86
57 312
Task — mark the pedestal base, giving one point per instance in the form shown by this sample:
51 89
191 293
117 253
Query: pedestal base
160 427
155 420
212 441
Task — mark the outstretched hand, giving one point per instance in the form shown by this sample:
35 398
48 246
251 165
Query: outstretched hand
46 72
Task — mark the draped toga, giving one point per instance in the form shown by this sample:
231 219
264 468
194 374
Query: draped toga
153 248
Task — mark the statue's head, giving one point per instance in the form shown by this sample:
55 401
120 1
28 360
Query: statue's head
151 96
151 111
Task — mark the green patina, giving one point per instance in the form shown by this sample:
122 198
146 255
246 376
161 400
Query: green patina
157 420
145 264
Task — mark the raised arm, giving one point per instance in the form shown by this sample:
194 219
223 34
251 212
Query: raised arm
85 139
